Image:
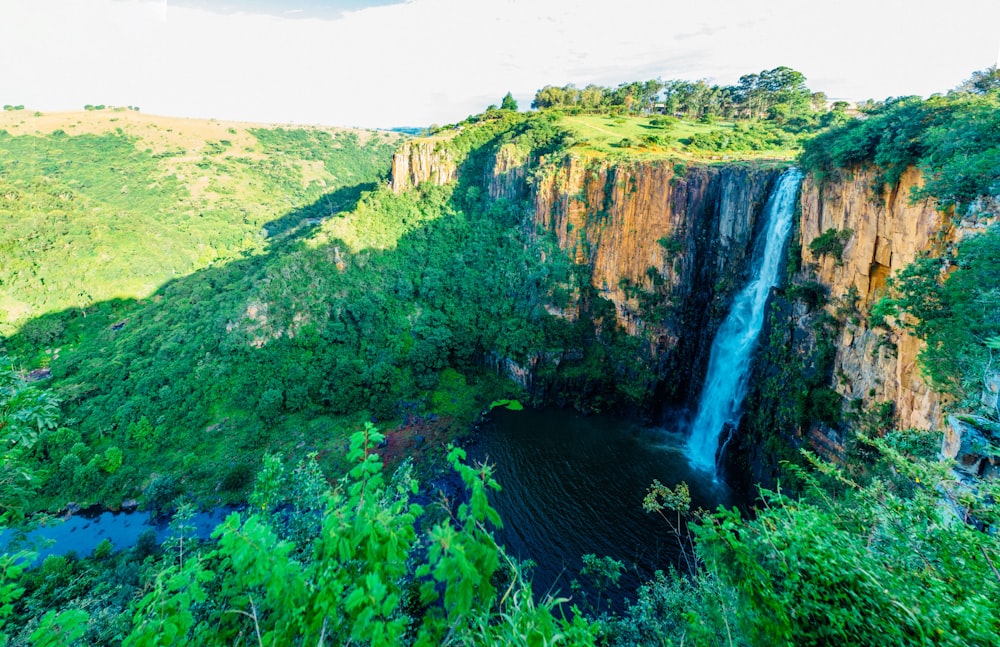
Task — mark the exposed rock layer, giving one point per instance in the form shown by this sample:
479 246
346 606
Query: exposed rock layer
661 241
419 161
666 244
888 232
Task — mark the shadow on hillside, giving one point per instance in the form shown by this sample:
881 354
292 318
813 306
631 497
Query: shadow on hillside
283 234
283 351
301 222
194 367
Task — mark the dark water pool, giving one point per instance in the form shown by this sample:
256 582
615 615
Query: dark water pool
574 484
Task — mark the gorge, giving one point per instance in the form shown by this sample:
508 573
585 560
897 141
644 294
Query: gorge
320 362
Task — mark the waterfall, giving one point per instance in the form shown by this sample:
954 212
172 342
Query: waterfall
729 362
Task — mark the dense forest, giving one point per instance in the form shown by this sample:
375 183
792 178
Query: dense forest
256 318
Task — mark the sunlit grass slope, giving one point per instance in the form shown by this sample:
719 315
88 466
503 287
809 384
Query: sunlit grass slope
111 204
660 136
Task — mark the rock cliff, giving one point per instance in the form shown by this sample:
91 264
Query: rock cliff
419 161
665 244
655 234
886 233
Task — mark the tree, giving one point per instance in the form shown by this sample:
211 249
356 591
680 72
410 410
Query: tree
508 102
982 81
25 411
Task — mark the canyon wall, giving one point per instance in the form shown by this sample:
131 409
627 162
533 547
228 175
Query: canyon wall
665 244
422 160
643 226
887 232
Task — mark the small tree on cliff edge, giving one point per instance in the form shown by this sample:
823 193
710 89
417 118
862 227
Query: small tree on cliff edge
508 102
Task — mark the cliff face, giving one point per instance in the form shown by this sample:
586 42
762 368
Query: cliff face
641 225
661 243
420 161
888 232
664 244
664 247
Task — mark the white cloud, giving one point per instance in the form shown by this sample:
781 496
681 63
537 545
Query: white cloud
438 60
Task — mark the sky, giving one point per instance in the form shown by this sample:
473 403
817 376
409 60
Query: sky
383 64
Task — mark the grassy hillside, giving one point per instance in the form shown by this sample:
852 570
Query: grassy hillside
112 204
660 136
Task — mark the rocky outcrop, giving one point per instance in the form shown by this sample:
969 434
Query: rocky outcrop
419 161
886 233
661 242
506 178
971 442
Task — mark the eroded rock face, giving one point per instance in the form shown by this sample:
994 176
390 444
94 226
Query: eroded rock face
643 224
660 240
969 441
421 161
887 234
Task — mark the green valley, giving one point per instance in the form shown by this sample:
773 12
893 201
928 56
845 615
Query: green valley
309 324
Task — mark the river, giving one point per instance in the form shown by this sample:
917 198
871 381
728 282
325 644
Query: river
82 532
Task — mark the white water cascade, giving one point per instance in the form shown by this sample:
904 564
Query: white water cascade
729 362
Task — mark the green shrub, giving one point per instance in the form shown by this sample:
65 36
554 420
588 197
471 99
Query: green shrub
813 293
831 242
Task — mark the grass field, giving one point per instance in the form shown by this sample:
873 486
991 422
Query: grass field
602 135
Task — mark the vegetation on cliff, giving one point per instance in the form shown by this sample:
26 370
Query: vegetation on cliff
953 139
947 297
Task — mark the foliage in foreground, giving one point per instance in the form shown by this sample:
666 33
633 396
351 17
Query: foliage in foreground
901 559
885 563
905 558
362 564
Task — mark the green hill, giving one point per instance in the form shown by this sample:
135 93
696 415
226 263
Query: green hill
105 205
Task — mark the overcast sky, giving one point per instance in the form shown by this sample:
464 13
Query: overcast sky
383 64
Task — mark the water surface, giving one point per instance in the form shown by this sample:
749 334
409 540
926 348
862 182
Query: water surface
81 533
574 484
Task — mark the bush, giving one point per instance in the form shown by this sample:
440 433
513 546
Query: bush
831 242
813 293
663 122
160 495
